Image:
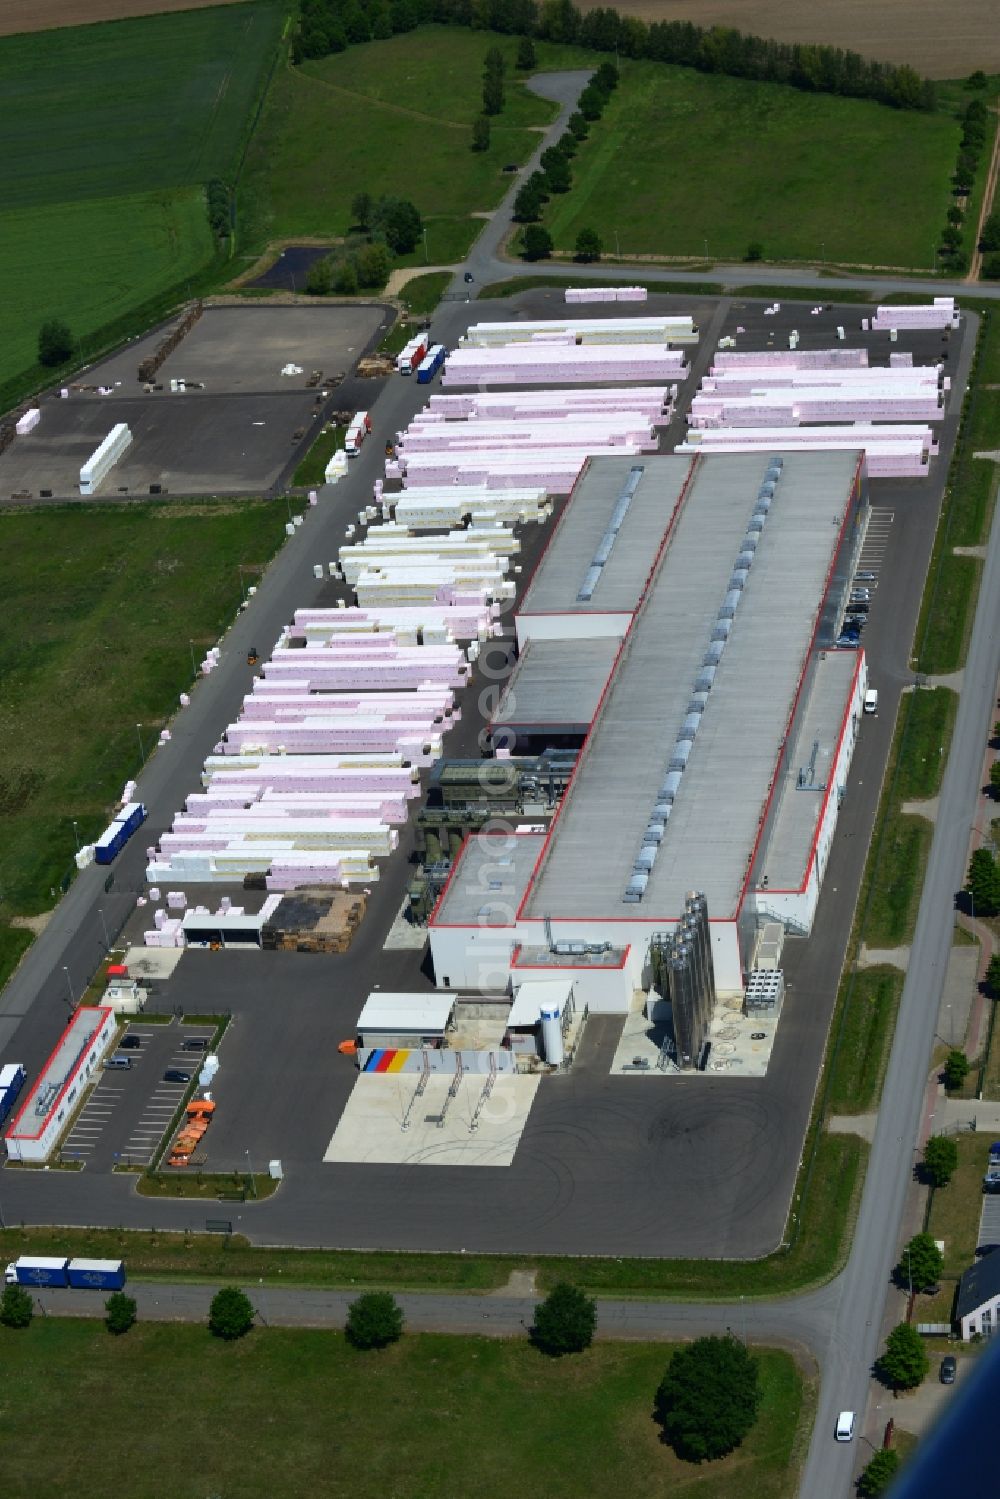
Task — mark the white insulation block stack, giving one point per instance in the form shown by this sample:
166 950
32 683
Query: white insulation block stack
103 459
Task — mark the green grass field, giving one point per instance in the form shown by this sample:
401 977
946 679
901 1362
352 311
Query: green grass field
113 597
390 117
692 164
108 135
291 1412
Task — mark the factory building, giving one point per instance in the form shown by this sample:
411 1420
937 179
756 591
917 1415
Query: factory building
694 607
49 1107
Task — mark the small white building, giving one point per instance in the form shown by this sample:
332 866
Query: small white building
978 1307
49 1107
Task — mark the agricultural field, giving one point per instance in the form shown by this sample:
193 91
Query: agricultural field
940 41
288 1412
108 135
684 163
26 15
391 117
111 597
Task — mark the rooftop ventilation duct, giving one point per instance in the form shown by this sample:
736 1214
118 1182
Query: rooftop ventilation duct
607 541
750 541
745 559
774 465
730 604
698 699
636 888
721 629
691 725
671 783
762 506
645 858
756 523
654 831
681 754
703 681
739 578
713 655
662 811
766 490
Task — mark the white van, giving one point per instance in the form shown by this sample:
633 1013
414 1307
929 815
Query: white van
871 700
845 1426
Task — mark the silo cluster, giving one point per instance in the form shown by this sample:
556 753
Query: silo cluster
691 978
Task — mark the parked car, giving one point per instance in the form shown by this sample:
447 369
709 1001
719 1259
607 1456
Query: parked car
845 1426
130 1043
949 1369
866 577
195 1043
175 1075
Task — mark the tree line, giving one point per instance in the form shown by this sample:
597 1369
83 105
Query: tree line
332 25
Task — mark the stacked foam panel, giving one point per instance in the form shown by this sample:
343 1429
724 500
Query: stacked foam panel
103 459
888 457
606 429
653 401
386 547
434 509
28 422
679 328
555 469
941 313
798 359
470 621
536 364
577 294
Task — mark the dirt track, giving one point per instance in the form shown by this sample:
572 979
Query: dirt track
45 15
939 39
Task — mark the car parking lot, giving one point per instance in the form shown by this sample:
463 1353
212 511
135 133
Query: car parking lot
126 1115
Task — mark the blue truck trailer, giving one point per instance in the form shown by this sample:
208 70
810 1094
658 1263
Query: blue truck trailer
38 1270
117 833
84 1275
11 1082
430 364
97 1275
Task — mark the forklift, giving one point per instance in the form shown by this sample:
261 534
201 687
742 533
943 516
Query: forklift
252 657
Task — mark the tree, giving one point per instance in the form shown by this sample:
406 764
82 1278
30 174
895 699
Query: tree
990 237
319 278
55 342
993 975
995 776
951 237
956 1070
588 245
362 205
480 133
976 80
591 103
494 65
940 1160
16 1307
399 224
526 57
121 1312
536 242
231 1314
564 1321
371 265
527 205
904 1363
920 1264
983 883
954 214
567 144
557 173
708 1398
345 282
606 77
578 125
754 250
879 1473
492 95
374 1321
991 267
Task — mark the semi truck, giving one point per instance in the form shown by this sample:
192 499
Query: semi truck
410 357
11 1082
430 364
361 425
87 1275
117 833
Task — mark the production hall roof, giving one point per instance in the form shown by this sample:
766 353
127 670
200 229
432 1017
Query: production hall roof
557 682
736 735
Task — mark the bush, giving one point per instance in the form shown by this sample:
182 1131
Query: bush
319 278
904 1363
588 245
564 1321
345 281
956 1070
920 1264
606 78
940 1159
55 342
708 1399
536 242
754 250
121 1312
480 133
374 1321
579 126
371 265
567 144
591 102
993 975
16 1307
983 883
990 237
231 1314
879 1473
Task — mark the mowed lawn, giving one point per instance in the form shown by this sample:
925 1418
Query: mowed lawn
391 117
108 135
292 1412
85 261
684 163
99 606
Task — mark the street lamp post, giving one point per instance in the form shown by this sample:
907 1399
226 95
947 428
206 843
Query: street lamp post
253 1184
104 928
69 986
194 666
76 834
142 751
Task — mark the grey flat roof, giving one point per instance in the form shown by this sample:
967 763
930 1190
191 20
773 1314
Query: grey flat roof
544 957
711 833
570 553
792 833
490 879
557 681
